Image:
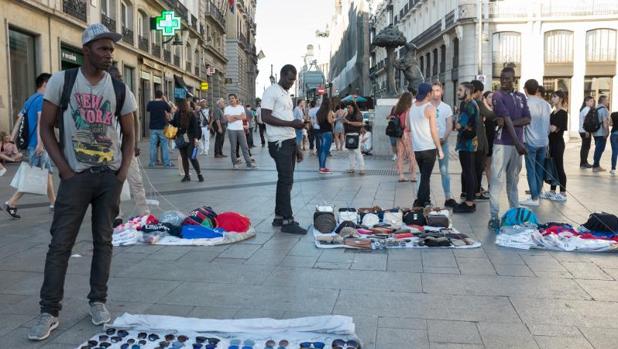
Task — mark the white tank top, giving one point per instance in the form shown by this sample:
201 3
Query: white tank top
419 128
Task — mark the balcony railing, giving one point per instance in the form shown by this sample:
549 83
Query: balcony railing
127 35
177 60
179 9
110 23
167 56
155 50
75 8
143 43
214 12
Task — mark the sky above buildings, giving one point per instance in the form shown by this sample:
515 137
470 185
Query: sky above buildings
284 29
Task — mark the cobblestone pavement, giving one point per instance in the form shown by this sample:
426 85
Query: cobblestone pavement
484 298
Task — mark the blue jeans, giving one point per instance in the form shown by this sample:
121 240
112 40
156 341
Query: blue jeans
599 148
326 142
156 136
535 162
446 178
299 137
614 141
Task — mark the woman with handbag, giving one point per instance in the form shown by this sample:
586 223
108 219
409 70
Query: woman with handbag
467 144
352 123
326 118
187 138
339 129
404 144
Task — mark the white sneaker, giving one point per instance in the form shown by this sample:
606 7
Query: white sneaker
3 171
548 195
394 157
560 197
612 172
530 202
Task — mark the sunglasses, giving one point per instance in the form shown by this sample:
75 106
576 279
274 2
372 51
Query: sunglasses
314 345
247 344
204 346
341 344
270 344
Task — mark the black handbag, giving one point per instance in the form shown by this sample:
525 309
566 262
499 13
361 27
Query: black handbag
180 141
352 140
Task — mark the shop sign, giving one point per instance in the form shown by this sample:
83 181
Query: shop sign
71 57
204 86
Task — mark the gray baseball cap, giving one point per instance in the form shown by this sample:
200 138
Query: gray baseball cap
98 31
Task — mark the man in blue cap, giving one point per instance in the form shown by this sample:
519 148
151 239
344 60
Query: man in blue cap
425 141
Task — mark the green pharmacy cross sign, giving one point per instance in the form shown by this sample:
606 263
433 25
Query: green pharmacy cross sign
167 23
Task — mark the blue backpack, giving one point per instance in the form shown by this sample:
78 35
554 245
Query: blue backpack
518 216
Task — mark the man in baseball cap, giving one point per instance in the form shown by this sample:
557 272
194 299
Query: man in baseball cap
93 161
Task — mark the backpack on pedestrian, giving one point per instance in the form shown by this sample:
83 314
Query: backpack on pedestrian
23 137
394 127
591 121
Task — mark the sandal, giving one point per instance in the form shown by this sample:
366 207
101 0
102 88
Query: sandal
401 180
12 211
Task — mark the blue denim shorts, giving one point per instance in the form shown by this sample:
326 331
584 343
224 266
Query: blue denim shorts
42 161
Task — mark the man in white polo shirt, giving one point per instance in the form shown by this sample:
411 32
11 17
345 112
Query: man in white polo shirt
235 115
278 115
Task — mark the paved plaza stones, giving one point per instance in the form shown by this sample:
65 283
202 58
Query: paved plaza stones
482 298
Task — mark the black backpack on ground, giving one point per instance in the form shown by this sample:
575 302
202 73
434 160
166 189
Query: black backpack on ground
394 128
602 222
70 75
591 121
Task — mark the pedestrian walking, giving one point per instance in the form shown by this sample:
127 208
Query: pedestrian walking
536 140
467 145
204 118
444 122
250 122
512 114
314 130
278 115
326 119
220 124
37 156
160 113
586 136
235 115
93 162
404 144
299 114
187 139
339 129
600 136
558 125
353 122
261 124
425 141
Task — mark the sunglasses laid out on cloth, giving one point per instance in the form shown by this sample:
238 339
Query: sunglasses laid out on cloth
312 345
341 344
271 344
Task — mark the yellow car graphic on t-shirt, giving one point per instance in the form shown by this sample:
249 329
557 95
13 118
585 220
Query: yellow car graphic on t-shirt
92 150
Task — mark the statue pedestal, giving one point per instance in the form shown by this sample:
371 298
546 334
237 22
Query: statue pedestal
381 142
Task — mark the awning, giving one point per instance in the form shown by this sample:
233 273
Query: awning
180 83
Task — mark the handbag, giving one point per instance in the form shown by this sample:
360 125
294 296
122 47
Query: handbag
125 194
352 140
30 179
393 217
437 217
181 141
170 132
550 172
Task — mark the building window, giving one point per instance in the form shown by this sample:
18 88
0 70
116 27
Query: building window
601 45
144 25
23 68
422 63
435 62
455 53
129 76
559 46
428 66
598 86
506 52
442 59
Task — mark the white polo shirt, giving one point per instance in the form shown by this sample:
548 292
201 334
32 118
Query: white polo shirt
230 111
278 100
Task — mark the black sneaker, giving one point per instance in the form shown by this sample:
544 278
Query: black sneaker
186 179
200 178
293 228
117 222
585 166
481 197
12 211
277 222
463 208
450 203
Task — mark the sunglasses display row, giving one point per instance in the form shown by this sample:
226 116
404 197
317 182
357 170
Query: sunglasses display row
123 339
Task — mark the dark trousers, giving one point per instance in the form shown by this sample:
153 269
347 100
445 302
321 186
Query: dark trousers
556 151
468 171
599 148
314 139
425 160
185 155
250 138
102 191
262 132
479 166
583 152
284 154
219 140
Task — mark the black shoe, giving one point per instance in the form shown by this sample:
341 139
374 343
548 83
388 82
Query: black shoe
117 222
462 196
585 166
293 228
186 179
464 208
200 178
12 211
450 203
481 197
277 222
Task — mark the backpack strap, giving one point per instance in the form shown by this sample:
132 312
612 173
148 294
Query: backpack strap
69 80
120 90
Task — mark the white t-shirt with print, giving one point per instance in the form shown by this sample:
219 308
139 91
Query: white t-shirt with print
230 111
278 100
